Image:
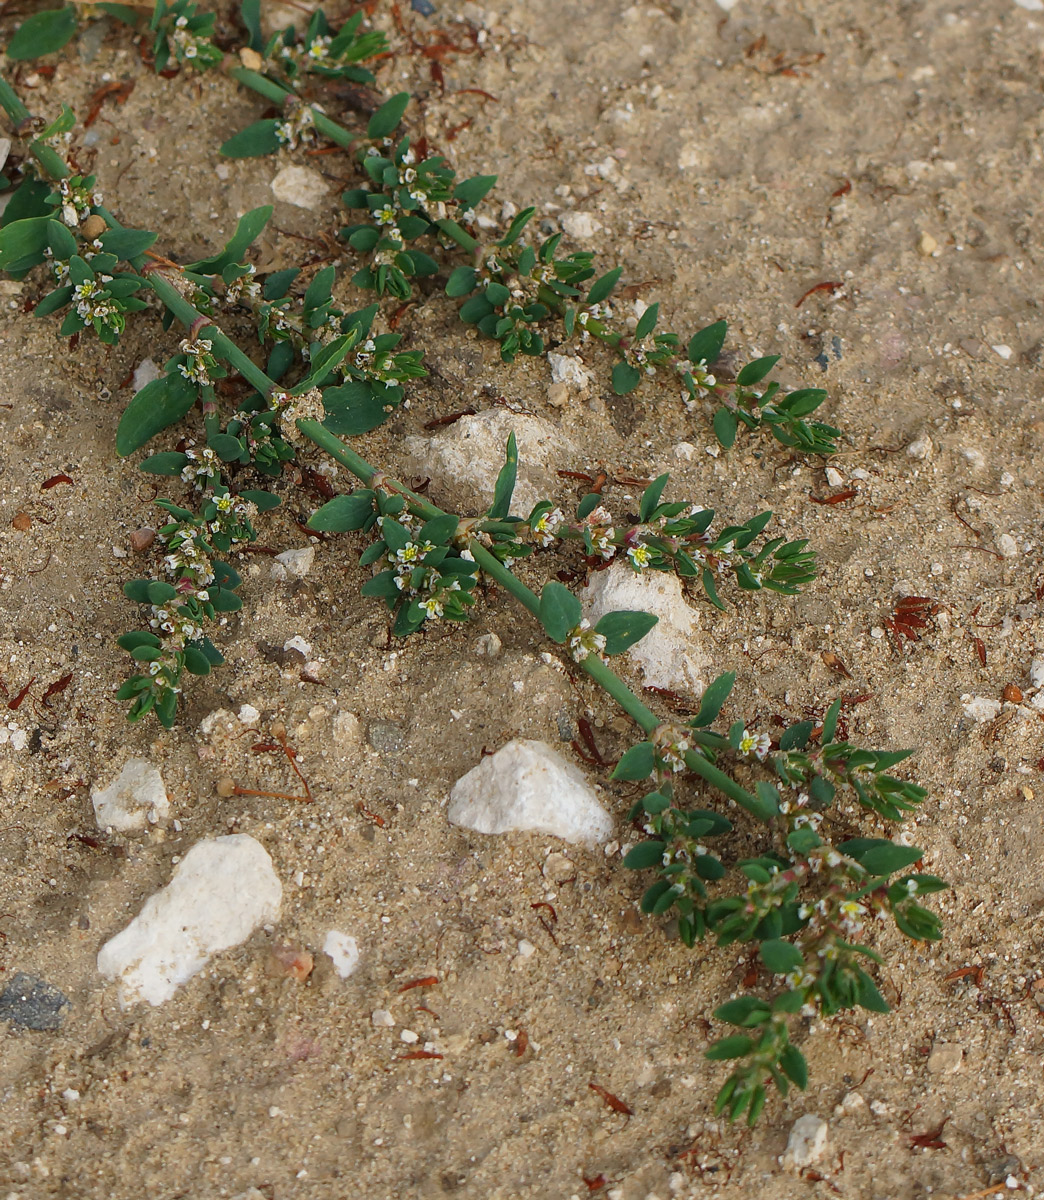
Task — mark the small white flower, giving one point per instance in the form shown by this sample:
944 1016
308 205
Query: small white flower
639 556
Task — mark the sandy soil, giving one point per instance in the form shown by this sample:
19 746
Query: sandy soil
733 160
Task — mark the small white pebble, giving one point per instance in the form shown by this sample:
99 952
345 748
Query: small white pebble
526 949
1007 545
920 448
1004 351
408 1036
382 1018
834 477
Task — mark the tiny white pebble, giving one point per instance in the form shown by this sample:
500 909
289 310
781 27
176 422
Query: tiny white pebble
381 1017
408 1036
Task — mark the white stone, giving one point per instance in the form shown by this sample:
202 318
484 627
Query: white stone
920 448
1036 673
580 225
946 1058
347 729
488 645
248 714
684 451
527 786
464 460
807 1142
526 949
344 950
852 1102
1031 5
408 1036
569 370
145 372
834 477
221 891
690 156
1005 352
1007 545
669 655
135 797
297 562
382 1018
980 708
298 643
974 457
300 186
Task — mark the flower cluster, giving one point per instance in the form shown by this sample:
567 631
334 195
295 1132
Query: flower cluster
199 361
203 469
76 197
583 640
298 124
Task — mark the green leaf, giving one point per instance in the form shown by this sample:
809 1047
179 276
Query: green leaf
830 722
469 192
505 488
385 119
343 514
731 1047
755 372
439 529
225 601
603 286
253 142
250 13
705 346
196 661
462 281
156 406
622 629
159 592
780 957
247 230
744 1010
264 501
713 700
625 378
796 737
22 244
353 408
43 33
170 462
560 611
53 301
131 641
127 244
725 425
803 840
880 856
647 322
711 588
803 402
651 497
869 997
644 855
637 763
793 1065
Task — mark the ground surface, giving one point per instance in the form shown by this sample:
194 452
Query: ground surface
733 160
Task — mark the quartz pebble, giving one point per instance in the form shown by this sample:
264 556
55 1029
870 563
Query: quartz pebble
920 448
136 797
382 1018
945 1058
343 950
219 894
300 186
296 562
580 225
670 655
527 786
980 708
807 1142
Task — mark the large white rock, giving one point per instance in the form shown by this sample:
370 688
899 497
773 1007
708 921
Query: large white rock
220 892
300 186
807 1142
135 797
464 460
527 786
669 655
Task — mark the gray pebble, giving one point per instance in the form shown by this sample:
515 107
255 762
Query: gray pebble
386 737
32 1003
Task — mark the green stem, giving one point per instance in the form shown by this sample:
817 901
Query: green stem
592 666
278 94
50 160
